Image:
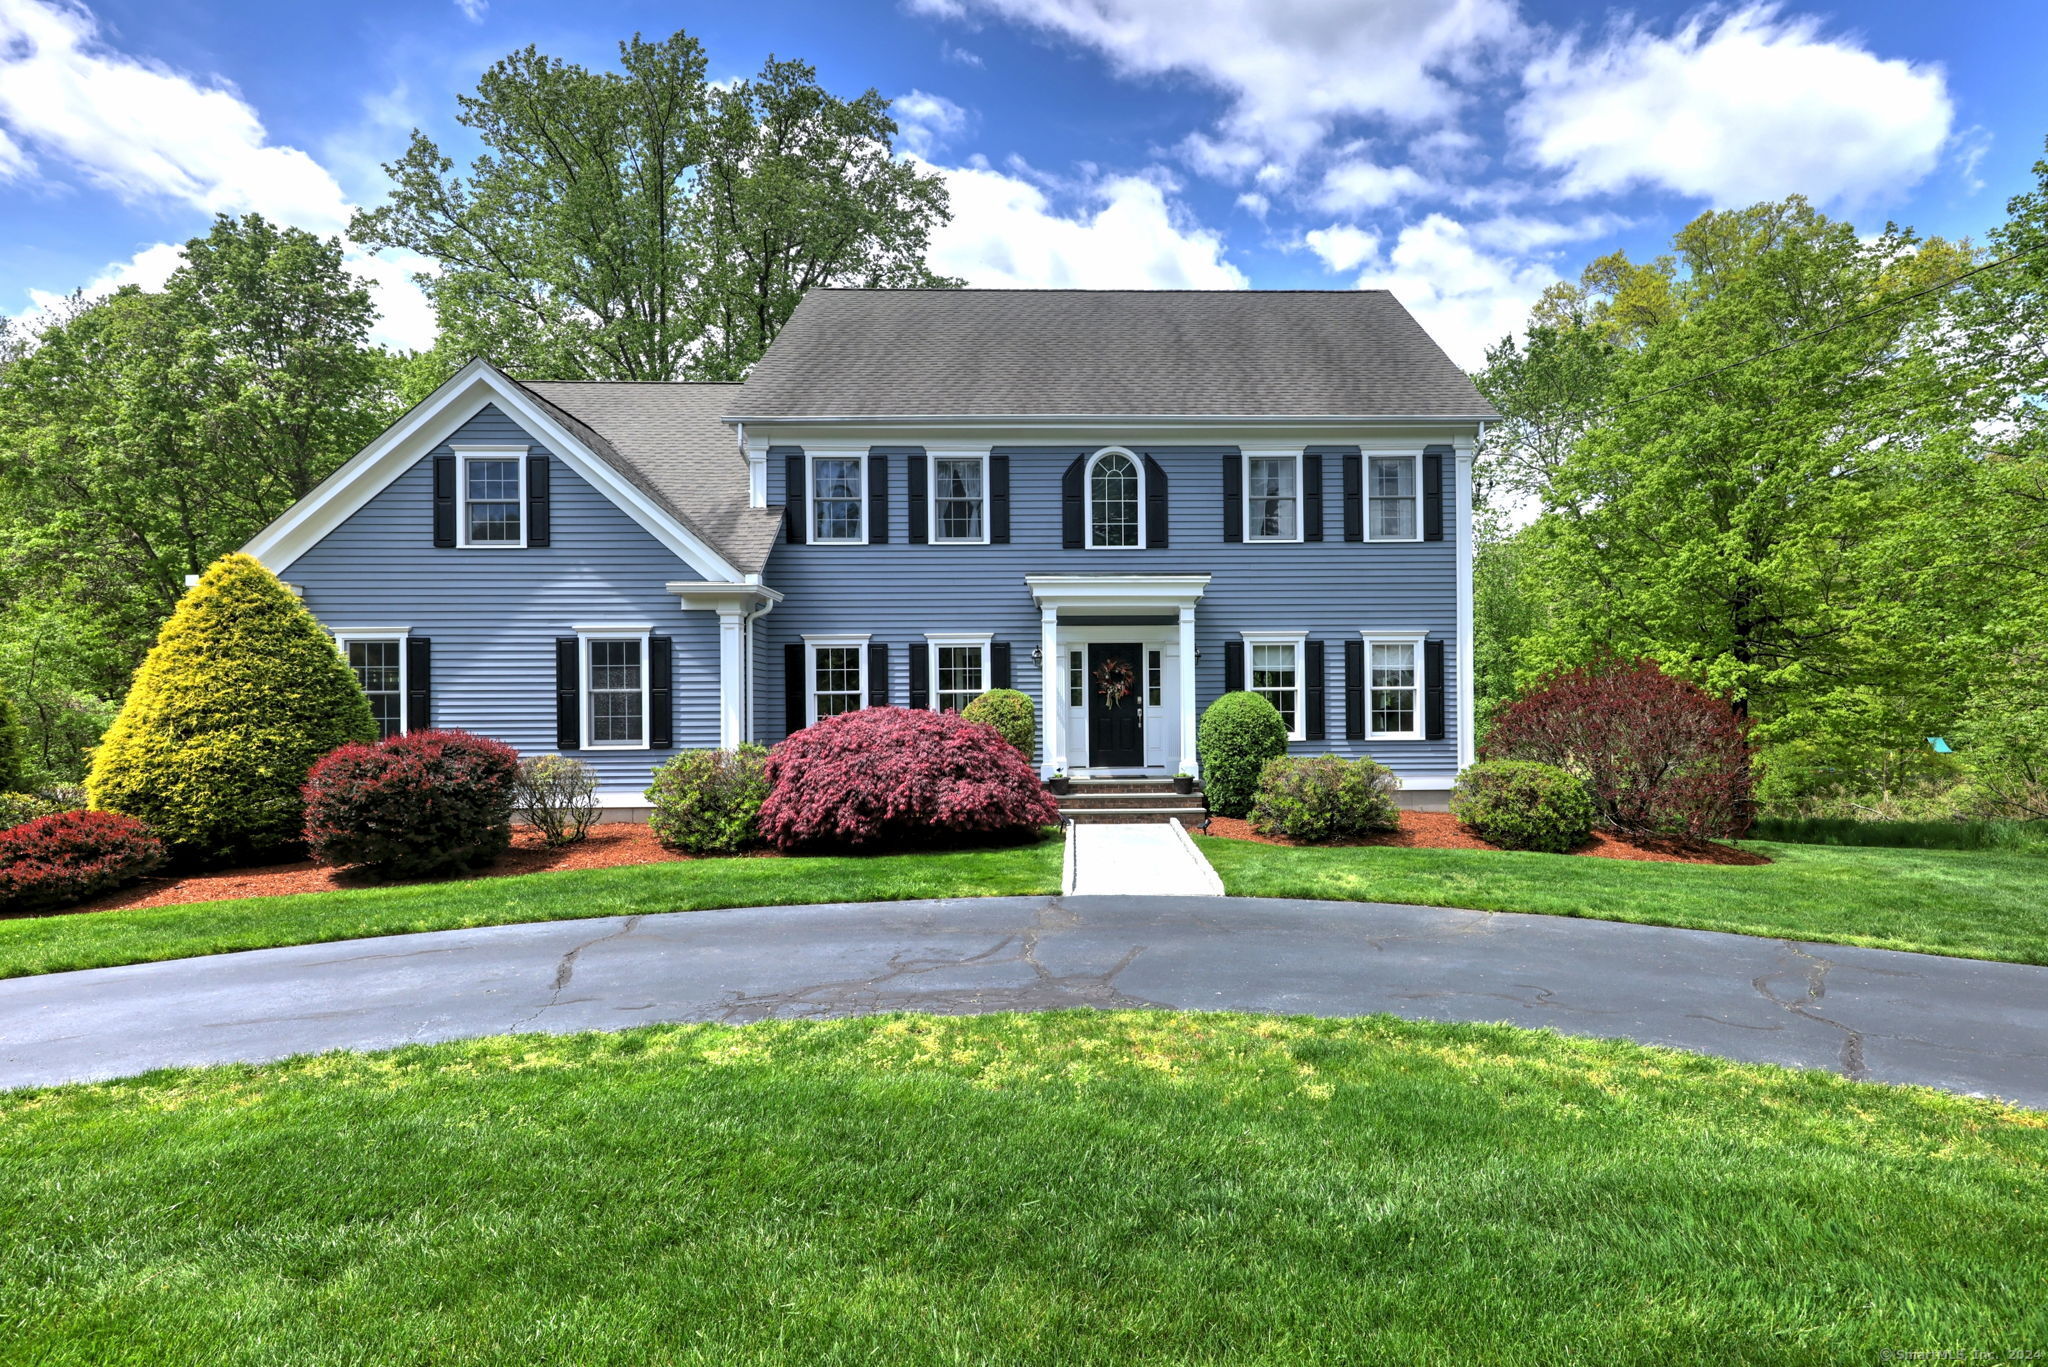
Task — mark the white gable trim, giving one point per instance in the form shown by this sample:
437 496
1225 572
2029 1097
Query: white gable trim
436 418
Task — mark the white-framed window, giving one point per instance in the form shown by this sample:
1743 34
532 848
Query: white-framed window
1155 673
1393 685
1272 496
1115 492
960 669
615 687
839 497
490 493
1392 493
377 658
959 499
1077 679
1273 670
836 675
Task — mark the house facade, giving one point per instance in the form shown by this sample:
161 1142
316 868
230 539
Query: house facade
1123 503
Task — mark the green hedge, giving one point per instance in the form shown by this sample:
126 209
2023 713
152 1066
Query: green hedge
2023 836
1236 736
1010 713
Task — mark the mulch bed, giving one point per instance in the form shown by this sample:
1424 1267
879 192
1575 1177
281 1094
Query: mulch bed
610 845
1441 831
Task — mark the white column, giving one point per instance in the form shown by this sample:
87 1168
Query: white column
1463 673
732 677
1187 691
1052 688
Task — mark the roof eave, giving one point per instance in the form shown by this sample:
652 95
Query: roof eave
1052 419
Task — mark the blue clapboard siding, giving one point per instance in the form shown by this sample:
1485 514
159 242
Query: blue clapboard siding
493 615
1330 590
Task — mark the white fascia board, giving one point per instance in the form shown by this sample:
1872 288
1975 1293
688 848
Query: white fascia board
1120 590
1093 432
696 594
372 470
1155 419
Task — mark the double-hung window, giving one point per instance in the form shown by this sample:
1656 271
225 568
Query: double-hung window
839 498
837 674
1272 491
378 661
1391 498
1274 672
959 670
492 487
615 687
1116 500
1393 700
960 499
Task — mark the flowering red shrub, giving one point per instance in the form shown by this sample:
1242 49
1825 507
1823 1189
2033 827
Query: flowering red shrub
429 802
67 857
1658 755
892 776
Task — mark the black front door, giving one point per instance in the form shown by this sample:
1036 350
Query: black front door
1116 721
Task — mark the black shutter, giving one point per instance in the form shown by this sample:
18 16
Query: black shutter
1433 689
661 704
568 694
1317 727
878 498
920 675
795 706
1354 690
878 674
1354 496
1312 496
419 683
999 664
1433 492
999 500
796 517
1233 666
1155 506
537 520
917 496
1071 509
444 500
1233 497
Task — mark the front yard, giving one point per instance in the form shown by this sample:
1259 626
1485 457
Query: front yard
1078 1186
1974 903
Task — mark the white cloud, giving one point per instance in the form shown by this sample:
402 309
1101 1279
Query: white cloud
1292 68
958 55
1466 297
148 268
1523 235
1359 184
14 163
927 122
1006 233
1255 204
1341 246
473 10
1748 106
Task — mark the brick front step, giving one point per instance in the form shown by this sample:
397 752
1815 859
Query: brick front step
1106 816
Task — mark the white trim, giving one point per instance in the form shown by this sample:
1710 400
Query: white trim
931 498
616 629
1462 704
586 637
1064 419
464 454
859 642
1088 497
431 423
811 456
344 636
1135 592
1414 459
935 641
1298 640
1414 640
1300 494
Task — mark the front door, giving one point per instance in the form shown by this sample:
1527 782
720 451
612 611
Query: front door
1116 714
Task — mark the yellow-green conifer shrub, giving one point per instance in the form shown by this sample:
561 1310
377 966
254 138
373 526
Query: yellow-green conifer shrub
240 694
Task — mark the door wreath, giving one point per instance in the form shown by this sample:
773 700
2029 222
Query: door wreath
1114 680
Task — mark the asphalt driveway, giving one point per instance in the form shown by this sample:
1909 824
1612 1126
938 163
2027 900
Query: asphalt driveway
1960 1024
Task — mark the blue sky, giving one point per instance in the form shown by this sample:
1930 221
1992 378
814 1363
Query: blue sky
1464 153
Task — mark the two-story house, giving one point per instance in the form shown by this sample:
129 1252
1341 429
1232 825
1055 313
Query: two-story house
1123 503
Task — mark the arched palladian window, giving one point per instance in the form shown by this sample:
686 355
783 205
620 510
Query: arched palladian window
1116 500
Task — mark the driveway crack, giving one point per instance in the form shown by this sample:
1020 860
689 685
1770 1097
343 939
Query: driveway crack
565 969
1813 970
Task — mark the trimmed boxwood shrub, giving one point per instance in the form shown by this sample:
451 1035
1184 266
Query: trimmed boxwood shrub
425 803
1660 756
242 692
1522 805
1324 797
56 860
709 801
1237 735
1010 713
894 777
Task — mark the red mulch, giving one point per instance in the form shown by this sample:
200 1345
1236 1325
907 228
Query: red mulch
607 846
1441 831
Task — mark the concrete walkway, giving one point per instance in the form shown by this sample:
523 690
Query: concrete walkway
1961 1024
1152 859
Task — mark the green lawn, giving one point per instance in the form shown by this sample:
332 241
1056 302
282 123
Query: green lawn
48 944
1074 1187
1975 903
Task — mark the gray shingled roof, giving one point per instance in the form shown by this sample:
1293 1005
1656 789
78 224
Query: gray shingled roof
669 441
1237 353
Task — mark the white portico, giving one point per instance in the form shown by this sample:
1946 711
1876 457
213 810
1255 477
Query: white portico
1090 624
